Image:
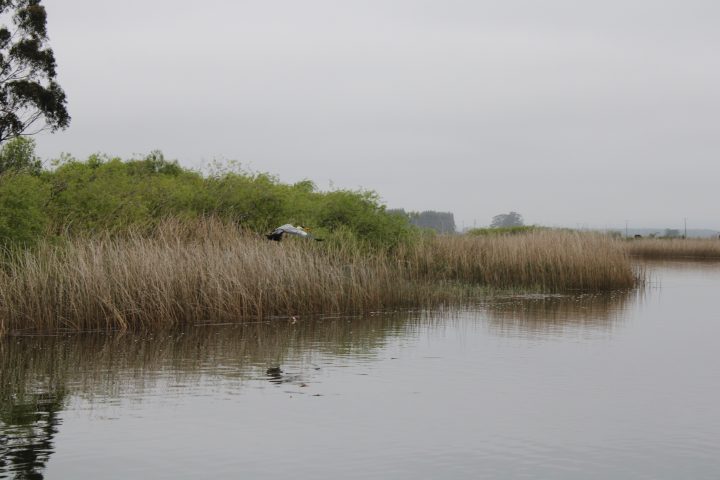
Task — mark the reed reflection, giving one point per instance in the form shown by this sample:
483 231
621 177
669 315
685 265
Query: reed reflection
539 315
103 362
40 374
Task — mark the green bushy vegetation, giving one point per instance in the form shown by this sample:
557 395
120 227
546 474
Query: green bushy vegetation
18 155
23 198
109 194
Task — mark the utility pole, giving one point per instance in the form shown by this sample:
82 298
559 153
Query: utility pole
626 229
685 219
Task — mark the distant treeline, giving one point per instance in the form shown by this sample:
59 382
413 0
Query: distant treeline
105 193
665 233
442 222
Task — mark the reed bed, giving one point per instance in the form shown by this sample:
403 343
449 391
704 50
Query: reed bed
544 260
701 248
208 271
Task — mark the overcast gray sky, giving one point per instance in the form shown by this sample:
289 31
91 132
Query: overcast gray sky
571 112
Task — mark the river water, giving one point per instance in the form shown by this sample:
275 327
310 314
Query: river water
621 386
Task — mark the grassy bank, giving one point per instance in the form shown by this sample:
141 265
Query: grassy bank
200 271
674 248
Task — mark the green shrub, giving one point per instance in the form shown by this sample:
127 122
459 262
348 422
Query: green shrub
22 209
109 194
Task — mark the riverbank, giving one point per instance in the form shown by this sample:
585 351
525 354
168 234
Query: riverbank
208 271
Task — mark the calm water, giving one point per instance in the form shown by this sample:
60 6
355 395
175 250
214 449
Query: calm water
619 386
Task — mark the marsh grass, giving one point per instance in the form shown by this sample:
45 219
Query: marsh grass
543 260
184 274
655 248
208 271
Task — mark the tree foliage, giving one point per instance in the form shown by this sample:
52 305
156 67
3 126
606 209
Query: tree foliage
511 219
441 222
30 98
18 155
105 193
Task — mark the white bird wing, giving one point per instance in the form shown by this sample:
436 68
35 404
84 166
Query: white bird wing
290 230
281 229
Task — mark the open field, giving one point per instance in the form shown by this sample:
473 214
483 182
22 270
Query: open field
674 248
189 272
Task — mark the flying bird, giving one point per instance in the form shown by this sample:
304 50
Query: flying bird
287 229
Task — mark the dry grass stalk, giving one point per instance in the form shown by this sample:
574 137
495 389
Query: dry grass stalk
549 261
675 248
208 271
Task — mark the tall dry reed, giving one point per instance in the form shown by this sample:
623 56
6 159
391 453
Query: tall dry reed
545 260
210 272
204 272
703 248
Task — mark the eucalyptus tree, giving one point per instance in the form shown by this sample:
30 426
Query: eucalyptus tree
31 100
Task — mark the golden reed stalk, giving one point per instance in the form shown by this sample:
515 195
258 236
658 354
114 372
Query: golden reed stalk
207 271
701 248
545 260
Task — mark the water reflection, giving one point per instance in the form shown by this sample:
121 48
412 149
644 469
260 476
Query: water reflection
27 427
538 315
104 364
40 375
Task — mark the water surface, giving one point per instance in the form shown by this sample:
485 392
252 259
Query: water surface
624 385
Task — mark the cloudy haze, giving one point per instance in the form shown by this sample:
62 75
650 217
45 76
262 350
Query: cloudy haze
571 112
